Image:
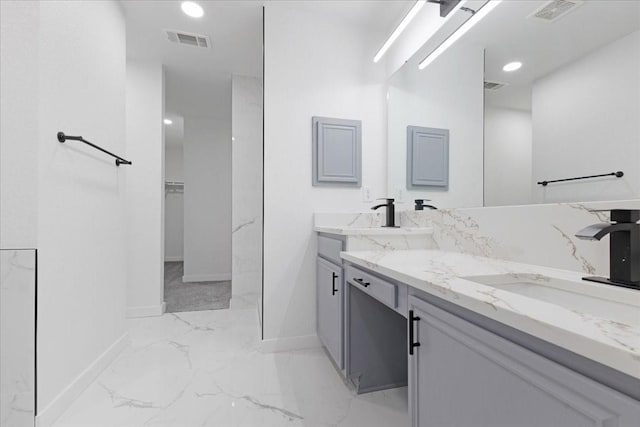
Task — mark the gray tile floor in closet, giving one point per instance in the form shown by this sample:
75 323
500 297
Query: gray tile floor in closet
193 296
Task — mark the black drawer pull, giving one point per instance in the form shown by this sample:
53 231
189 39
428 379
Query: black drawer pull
412 344
362 282
333 283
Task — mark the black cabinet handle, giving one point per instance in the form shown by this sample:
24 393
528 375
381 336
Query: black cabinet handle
412 344
362 282
333 283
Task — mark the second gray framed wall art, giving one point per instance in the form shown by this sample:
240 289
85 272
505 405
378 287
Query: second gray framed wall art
427 158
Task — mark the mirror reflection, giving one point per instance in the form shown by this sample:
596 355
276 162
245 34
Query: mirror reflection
535 91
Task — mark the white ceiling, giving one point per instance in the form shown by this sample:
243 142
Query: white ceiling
381 16
508 35
198 81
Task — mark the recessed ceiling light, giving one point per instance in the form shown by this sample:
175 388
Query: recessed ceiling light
512 66
192 9
168 121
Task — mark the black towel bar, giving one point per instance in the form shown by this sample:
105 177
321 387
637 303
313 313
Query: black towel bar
119 160
618 174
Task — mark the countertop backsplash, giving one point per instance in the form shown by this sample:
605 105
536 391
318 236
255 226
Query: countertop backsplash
349 219
534 234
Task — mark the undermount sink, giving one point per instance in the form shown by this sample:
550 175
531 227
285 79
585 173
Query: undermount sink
609 302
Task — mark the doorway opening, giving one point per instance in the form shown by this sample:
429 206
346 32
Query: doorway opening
212 80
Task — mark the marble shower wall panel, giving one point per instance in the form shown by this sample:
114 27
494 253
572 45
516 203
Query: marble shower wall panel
246 264
17 337
533 234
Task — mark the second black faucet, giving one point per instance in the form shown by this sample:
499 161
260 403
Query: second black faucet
420 204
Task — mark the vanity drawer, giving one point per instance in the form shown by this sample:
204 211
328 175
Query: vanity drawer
380 289
330 249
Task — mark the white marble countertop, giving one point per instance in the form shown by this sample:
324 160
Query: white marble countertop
345 230
600 338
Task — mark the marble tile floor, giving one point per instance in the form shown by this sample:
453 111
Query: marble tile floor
205 368
193 296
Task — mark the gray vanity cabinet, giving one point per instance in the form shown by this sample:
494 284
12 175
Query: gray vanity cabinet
329 304
330 297
464 375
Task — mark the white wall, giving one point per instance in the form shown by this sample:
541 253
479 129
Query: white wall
246 125
507 157
207 199
586 121
145 188
19 130
174 206
447 94
325 70
81 193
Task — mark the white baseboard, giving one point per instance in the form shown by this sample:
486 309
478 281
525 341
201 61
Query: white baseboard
173 258
147 310
206 277
47 416
277 345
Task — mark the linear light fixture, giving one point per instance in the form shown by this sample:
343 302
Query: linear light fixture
399 29
456 35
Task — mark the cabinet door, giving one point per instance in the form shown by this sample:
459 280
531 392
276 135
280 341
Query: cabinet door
329 308
463 375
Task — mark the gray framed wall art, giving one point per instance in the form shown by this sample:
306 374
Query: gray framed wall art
427 158
337 152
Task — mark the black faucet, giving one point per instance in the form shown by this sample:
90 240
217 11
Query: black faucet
624 247
391 212
420 204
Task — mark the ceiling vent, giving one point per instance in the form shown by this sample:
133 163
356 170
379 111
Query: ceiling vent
493 85
555 9
191 39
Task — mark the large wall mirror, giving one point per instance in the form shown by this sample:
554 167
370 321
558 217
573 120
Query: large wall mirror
569 107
